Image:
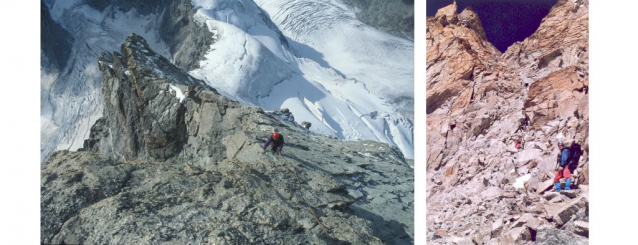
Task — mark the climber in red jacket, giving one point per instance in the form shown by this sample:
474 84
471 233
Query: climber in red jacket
276 140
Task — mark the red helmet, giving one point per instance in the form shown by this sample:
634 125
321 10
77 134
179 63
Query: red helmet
275 135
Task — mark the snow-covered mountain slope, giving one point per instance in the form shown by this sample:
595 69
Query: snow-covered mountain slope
314 58
328 32
349 80
71 100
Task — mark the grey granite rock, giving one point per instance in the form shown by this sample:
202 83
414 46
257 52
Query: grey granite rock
162 168
394 16
548 235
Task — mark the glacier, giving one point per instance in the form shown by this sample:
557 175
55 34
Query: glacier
312 57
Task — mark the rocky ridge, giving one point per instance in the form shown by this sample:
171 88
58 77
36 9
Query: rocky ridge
246 50
480 189
173 162
74 33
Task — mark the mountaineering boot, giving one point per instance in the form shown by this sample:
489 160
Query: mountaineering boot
567 183
557 184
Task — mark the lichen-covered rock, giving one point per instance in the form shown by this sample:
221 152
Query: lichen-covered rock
582 228
174 162
548 235
567 212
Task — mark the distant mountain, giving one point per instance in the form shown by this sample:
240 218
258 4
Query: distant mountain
393 16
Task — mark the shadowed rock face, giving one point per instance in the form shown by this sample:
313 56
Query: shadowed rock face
468 86
174 162
55 42
68 54
186 40
140 89
561 41
559 95
393 16
479 102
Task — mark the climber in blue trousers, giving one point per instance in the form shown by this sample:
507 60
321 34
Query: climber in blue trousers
563 170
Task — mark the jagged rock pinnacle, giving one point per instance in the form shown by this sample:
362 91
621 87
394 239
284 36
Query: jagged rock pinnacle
448 11
172 161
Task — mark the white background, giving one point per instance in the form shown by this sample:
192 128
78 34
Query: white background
613 128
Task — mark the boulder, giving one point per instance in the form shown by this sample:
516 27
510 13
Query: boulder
527 155
517 235
585 192
551 209
497 228
491 192
511 149
548 235
325 183
550 195
537 145
306 125
565 213
570 193
582 228
585 175
545 185
530 221
537 209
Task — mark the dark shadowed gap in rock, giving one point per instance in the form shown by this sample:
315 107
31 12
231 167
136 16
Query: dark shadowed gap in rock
502 20
472 96
532 233
545 60
437 100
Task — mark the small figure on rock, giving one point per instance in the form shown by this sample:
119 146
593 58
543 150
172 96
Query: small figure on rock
276 141
563 171
306 125
518 142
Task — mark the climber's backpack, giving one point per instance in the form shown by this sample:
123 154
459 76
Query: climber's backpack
575 152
